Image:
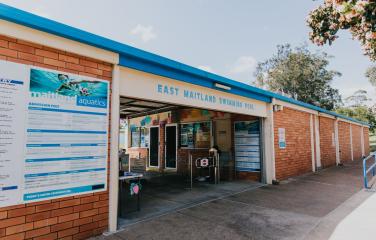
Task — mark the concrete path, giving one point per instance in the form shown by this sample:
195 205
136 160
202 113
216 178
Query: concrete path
306 207
360 223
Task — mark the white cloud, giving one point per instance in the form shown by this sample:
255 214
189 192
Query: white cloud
244 64
206 68
146 33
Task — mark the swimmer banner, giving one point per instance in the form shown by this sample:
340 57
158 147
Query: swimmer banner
55 131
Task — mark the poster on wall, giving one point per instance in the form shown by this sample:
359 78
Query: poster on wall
202 134
186 135
247 146
282 138
135 136
144 137
67 134
60 121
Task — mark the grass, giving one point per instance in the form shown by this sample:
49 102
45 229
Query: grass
372 142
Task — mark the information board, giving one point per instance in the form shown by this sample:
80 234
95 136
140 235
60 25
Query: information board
56 134
13 97
247 146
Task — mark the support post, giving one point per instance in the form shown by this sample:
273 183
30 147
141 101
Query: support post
312 143
351 143
114 151
336 137
268 146
317 142
362 141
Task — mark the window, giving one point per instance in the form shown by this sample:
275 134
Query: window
195 135
140 137
135 137
144 137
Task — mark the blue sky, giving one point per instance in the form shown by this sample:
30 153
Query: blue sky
225 37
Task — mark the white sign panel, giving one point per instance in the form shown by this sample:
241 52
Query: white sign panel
13 94
142 85
247 146
61 128
282 138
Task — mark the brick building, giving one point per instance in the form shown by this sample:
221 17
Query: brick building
284 137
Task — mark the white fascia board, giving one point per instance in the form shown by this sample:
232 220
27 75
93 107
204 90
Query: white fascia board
46 39
295 107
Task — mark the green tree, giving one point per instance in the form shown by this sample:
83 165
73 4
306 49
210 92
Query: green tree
362 113
356 16
300 74
371 75
358 99
357 107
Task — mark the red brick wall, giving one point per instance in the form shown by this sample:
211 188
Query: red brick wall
63 218
296 158
344 141
139 158
356 140
328 150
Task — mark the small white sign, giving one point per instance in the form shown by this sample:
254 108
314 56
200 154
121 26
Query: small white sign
204 162
282 138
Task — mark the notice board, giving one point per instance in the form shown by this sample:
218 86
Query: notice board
53 134
247 146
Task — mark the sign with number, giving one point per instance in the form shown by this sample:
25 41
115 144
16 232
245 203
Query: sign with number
204 162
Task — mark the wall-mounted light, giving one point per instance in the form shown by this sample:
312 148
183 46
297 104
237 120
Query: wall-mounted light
222 86
277 108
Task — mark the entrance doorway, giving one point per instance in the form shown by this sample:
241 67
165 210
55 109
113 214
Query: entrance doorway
154 147
164 153
171 146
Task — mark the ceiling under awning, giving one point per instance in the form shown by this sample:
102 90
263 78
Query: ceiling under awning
131 108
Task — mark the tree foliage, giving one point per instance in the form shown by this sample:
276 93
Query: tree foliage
357 107
361 113
358 99
357 16
301 75
371 75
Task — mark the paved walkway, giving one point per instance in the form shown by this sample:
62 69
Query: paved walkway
306 207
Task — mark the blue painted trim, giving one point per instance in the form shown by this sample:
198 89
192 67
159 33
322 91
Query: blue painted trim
148 62
64 131
65 110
